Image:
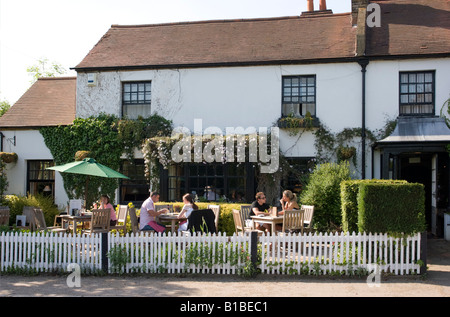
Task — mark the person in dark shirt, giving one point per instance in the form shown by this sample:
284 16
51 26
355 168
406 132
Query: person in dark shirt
259 206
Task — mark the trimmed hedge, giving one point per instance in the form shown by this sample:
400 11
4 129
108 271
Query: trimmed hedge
349 200
391 208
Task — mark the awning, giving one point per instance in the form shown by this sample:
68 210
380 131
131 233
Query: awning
420 129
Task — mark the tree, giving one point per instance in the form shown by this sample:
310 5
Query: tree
4 106
45 68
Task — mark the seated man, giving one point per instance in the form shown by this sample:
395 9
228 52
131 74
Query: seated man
148 214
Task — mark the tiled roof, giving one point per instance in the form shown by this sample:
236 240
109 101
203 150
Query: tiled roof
408 28
48 102
411 27
216 43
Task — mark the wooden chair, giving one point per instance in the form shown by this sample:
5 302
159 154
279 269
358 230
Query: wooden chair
308 217
39 220
99 221
28 212
238 224
216 210
245 214
121 218
133 220
293 221
4 216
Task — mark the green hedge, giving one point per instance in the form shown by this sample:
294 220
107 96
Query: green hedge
391 208
349 200
323 192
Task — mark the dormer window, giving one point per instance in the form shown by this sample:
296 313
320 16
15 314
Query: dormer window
417 91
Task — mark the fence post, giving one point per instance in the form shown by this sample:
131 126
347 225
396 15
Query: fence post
254 248
104 243
423 252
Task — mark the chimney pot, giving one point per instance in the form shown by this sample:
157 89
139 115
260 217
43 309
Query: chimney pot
310 5
323 5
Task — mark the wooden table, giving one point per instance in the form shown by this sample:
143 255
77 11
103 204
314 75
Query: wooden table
74 219
271 220
173 217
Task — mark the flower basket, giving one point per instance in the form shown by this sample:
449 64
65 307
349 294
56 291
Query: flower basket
345 153
8 157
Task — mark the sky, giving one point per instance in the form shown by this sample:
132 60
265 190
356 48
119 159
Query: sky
64 31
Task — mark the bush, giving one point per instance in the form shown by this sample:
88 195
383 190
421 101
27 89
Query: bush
324 192
16 204
391 208
349 200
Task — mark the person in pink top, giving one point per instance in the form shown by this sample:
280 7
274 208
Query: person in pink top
105 204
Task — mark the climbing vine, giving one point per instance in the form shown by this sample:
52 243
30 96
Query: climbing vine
107 138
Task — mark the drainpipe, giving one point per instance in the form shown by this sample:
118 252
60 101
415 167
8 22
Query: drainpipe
363 62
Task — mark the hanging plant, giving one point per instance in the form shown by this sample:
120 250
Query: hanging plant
344 153
8 157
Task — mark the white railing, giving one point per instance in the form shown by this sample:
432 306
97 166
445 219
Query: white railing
313 254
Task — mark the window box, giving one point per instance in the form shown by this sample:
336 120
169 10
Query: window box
291 122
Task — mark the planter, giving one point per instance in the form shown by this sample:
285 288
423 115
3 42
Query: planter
297 123
8 157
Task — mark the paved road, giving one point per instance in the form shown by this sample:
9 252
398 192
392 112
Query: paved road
435 284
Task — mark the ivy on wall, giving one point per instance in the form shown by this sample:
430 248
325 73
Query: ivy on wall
107 138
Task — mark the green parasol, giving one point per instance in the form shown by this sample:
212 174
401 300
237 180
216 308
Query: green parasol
89 167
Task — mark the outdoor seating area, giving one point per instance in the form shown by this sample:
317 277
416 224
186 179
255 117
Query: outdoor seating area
289 221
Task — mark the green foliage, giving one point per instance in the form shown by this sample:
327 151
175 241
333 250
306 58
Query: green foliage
323 191
45 68
391 208
106 138
349 200
99 136
16 204
133 132
4 106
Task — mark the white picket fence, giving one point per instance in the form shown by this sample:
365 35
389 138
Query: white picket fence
49 252
321 254
313 254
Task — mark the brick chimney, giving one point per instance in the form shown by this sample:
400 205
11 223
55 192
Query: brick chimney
322 8
356 4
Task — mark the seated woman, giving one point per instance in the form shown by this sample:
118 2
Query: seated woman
189 206
288 202
105 204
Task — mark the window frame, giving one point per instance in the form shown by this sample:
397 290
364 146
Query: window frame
44 181
299 77
416 93
144 102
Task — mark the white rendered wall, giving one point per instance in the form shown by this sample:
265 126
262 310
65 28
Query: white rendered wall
29 146
251 96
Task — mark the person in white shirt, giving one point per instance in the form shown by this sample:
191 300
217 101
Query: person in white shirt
189 206
148 214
